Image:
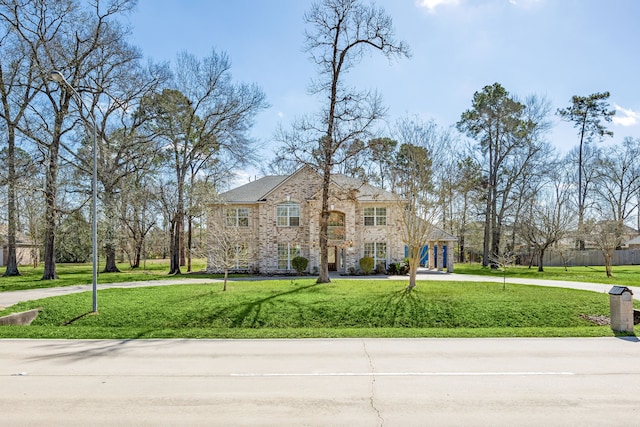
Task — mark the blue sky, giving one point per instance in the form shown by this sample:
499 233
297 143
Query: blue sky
553 48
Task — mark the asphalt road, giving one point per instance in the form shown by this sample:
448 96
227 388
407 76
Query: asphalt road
347 382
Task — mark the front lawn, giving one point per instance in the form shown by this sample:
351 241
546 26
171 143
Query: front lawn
81 274
624 275
300 308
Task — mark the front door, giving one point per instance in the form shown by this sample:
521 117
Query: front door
331 258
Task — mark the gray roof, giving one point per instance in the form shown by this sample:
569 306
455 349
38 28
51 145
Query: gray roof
253 191
634 241
364 191
440 234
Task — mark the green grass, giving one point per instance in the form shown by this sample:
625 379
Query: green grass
81 274
625 275
300 308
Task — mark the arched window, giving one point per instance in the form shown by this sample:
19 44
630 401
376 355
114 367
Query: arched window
288 215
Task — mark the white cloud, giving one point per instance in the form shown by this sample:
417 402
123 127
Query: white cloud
626 117
431 5
524 3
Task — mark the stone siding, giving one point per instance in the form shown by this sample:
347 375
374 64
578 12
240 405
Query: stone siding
305 188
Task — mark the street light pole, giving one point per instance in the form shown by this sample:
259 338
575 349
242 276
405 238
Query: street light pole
59 78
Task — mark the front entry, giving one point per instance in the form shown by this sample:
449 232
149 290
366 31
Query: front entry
332 253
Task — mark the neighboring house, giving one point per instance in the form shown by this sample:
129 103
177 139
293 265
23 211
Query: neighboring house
277 219
26 251
633 243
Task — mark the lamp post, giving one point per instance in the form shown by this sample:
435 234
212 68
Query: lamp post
57 76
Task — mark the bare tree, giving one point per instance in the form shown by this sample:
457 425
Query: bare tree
547 220
340 33
606 235
123 149
227 247
137 214
424 146
204 114
618 181
19 84
79 40
418 202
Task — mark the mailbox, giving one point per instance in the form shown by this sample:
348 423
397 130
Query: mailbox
621 303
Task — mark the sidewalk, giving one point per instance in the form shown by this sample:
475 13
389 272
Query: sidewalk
13 297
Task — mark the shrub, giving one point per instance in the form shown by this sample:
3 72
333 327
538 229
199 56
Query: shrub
300 264
398 268
366 265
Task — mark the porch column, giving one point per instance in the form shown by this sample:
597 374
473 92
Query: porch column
430 258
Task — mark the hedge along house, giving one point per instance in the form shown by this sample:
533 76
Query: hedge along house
277 218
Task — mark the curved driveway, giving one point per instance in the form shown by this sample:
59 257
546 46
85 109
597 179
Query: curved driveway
13 297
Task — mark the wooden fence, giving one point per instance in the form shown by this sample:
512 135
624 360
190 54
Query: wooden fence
585 258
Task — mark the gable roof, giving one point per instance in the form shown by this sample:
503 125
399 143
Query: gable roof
364 191
634 241
439 234
253 191
258 190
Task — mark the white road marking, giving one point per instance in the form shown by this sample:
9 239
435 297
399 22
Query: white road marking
400 374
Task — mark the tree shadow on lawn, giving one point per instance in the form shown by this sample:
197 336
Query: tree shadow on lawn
398 309
247 314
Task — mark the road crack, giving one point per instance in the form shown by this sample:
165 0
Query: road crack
372 395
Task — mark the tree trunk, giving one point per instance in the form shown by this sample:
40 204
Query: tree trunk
414 263
324 225
110 262
189 224
487 232
541 260
580 241
12 261
136 256
110 245
174 247
50 192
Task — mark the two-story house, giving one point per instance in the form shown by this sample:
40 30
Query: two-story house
278 218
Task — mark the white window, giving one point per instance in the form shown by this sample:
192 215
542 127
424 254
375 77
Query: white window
238 217
287 252
241 257
375 216
377 251
288 215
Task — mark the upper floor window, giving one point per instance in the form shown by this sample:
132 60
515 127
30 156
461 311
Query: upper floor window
375 216
288 215
238 217
336 229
